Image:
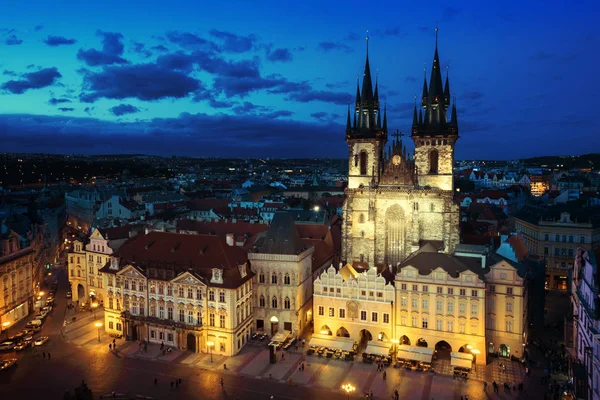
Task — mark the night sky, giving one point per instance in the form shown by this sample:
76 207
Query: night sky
273 79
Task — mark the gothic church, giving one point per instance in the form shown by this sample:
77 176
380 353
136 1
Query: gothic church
395 203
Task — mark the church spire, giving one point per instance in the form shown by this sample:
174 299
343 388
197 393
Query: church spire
348 126
454 119
415 123
447 89
424 95
357 91
436 90
367 86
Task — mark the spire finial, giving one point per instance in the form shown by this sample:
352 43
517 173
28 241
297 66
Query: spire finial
436 34
367 40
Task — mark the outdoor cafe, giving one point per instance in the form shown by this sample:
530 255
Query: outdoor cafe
462 363
332 347
377 352
414 357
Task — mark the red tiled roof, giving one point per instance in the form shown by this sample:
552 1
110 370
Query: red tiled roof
181 252
246 212
217 205
519 247
118 232
131 205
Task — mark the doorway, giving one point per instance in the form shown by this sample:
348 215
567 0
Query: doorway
191 342
274 325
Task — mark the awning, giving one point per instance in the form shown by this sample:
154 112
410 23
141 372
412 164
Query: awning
280 337
414 353
461 360
332 343
378 349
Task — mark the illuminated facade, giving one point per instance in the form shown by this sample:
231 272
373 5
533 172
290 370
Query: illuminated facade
192 292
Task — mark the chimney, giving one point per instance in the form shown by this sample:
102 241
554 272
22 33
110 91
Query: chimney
229 238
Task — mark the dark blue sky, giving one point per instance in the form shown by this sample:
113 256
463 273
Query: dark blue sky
273 78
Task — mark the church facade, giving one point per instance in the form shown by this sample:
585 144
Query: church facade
394 201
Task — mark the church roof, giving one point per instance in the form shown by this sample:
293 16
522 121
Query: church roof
282 237
347 272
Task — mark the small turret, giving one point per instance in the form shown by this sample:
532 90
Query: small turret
447 90
425 93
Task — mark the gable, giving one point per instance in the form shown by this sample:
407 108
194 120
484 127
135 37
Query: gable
187 279
131 272
96 234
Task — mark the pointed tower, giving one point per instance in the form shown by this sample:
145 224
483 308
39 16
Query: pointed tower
367 138
434 136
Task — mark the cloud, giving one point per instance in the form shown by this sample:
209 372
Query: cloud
545 56
197 135
331 46
472 95
247 108
54 41
337 85
160 48
123 109
12 40
112 50
319 95
353 36
232 43
281 54
390 32
141 49
33 80
9 73
400 110
410 79
54 101
191 41
448 13
178 61
66 109
38 28
142 81
323 116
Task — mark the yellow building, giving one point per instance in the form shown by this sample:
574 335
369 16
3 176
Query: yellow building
187 291
355 305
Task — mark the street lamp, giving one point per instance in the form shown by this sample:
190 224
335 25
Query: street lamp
396 342
5 326
98 325
94 306
348 388
210 347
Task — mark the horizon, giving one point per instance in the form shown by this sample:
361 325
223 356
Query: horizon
77 82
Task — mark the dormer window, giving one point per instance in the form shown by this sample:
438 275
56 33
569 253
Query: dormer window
114 263
242 270
217 276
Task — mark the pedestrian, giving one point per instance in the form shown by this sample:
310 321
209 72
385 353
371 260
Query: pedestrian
114 341
222 382
109 346
44 354
302 366
384 375
156 381
462 398
180 380
171 384
49 356
176 383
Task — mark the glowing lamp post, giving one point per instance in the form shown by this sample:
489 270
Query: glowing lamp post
348 388
98 325
210 347
94 306
396 342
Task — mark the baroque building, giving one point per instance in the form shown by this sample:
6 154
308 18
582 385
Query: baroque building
396 202
192 292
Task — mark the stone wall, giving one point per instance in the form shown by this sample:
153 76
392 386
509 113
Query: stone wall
443 179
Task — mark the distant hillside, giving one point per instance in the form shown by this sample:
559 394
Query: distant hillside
583 161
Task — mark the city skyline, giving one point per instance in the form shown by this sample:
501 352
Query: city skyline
231 84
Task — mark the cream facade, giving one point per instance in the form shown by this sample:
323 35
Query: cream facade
355 305
16 277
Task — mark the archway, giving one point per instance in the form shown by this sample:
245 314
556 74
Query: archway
363 163
274 325
433 161
191 342
325 330
405 340
365 336
342 332
422 343
81 293
465 349
443 350
382 337
504 350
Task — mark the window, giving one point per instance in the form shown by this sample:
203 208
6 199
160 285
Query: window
170 313
211 295
331 312
386 318
110 303
110 325
221 321
403 286
415 302
509 307
274 302
363 163
450 306
169 337
371 293
564 238
438 324
570 238
425 288
509 290
424 323
153 334
274 279
473 293
461 328
473 329
190 293
415 288
261 278
324 289
169 290
462 308
546 251
222 347
133 285
380 295
286 279
403 320
342 313
570 252
221 297
261 302
509 326
190 319
557 251
211 319
374 317
582 239
181 315
425 304
414 321
492 305
161 288
474 309
433 161
463 292
363 315
286 303
198 294
403 301
450 290
450 326
440 290
492 288
439 305
557 238
546 238
321 310
161 311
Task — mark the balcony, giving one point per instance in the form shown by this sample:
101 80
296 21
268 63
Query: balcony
158 321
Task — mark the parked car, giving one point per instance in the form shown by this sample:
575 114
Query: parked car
69 294
7 346
17 337
6 364
41 316
49 299
34 323
23 345
41 340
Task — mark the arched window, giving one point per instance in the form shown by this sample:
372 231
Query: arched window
286 279
274 302
431 207
363 163
261 301
274 278
361 218
433 161
261 277
286 303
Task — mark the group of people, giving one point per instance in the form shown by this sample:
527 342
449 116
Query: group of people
174 384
